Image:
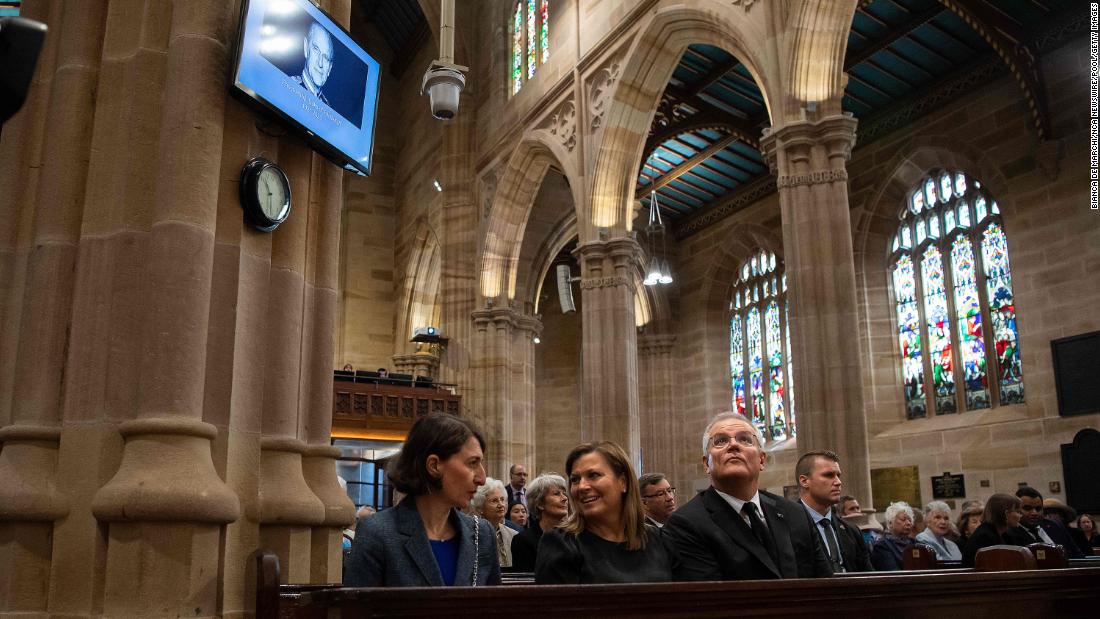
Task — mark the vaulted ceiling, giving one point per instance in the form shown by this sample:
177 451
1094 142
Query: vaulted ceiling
703 148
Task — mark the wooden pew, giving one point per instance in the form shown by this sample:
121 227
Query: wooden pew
1073 592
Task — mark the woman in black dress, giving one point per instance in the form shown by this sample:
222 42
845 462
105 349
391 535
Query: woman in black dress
606 539
1002 512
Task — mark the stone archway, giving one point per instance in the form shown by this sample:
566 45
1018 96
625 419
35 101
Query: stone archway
511 208
815 74
646 71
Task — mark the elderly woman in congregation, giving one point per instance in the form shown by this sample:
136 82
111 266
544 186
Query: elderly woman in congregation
606 539
1002 512
426 540
490 503
548 499
886 553
937 515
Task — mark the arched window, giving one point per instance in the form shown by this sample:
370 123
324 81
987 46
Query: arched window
951 277
530 39
760 346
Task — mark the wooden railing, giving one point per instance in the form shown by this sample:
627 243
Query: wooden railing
363 406
1072 592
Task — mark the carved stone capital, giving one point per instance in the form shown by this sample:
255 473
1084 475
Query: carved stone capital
812 178
797 141
604 282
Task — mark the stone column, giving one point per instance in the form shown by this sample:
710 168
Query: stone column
29 499
319 458
809 159
166 506
609 349
506 399
656 377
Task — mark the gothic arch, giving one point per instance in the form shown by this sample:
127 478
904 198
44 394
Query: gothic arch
420 298
816 61
649 64
511 206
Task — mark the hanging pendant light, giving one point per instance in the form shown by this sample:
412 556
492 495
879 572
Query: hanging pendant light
659 271
653 275
666 273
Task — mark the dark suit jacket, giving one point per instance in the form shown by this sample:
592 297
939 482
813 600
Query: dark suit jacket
715 543
1056 531
857 558
984 536
391 549
508 489
525 547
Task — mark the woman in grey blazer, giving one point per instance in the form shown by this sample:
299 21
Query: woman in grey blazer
426 540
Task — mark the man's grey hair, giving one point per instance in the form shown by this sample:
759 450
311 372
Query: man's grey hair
539 488
898 508
937 506
365 511
727 416
483 491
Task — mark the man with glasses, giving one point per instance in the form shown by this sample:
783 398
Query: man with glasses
735 531
658 498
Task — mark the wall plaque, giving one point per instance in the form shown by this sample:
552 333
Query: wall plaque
948 486
897 483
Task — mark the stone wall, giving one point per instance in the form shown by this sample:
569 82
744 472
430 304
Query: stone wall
557 386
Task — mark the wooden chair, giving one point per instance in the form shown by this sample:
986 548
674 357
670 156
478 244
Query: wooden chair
1004 558
1049 557
919 557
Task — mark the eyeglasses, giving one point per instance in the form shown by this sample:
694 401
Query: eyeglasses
668 492
497 501
744 439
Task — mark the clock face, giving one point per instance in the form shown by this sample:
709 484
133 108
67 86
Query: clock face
272 192
265 194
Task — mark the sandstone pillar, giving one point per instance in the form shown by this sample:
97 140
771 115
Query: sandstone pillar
419 363
656 377
29 499
609 349
166 505
319 457
506 397
809 159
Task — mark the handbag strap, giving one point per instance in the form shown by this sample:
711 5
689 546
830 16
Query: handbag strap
477 549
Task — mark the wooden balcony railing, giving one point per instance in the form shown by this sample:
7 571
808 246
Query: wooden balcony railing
363 405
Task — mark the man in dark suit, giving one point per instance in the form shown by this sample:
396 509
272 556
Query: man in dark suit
1034 528
517 486
818 475
734 531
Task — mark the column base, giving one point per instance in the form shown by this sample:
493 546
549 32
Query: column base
166 474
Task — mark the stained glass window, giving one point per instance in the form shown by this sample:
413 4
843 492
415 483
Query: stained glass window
912 364
760 343
544 30
517 49
941 312
737 363
939 329
530 40
1002 311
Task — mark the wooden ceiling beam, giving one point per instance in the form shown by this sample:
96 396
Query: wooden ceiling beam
897 33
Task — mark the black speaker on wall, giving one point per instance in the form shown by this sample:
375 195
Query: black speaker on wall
1076 362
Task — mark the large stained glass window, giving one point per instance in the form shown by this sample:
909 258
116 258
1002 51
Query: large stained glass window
530 40
760 344
951 277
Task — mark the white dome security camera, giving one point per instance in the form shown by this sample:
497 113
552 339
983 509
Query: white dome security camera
443 83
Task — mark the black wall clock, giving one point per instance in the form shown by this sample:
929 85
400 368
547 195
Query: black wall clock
265 194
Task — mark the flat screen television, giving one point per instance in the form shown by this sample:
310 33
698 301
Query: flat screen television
296 61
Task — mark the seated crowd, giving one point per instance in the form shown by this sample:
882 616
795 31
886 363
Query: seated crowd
601 523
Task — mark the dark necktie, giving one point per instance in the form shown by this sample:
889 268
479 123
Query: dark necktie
758 528
830 541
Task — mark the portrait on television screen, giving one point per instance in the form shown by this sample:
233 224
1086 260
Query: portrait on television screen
307 53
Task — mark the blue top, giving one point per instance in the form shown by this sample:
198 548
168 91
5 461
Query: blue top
446 556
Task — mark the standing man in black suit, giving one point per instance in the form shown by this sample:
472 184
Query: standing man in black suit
734 531
517 486
818 474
